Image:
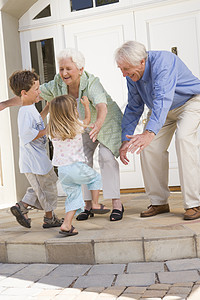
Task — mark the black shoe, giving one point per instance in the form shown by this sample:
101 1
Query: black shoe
84 215
117 214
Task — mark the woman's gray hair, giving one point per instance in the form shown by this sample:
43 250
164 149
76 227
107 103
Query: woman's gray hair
76 56
131 52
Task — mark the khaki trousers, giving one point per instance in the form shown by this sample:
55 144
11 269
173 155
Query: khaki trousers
184 121
43 191
109 169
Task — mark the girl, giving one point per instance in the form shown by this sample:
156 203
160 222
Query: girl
66 129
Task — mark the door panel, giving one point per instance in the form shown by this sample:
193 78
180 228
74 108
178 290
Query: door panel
98 40
161 29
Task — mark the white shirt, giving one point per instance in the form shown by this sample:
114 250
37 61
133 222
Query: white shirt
32 154
68 151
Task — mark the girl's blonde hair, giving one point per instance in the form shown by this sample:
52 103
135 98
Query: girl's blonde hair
63 121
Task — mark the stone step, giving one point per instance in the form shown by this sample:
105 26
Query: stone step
133 239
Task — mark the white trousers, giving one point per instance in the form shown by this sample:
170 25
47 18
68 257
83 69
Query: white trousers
43 191
109 169
184 121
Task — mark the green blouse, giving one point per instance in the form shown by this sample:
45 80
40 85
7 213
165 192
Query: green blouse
90 86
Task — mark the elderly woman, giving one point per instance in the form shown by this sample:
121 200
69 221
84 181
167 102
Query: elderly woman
106 117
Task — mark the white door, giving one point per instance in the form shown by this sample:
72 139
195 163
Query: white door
97 40
164 28
37 36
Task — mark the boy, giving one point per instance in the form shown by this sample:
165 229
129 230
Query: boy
33 159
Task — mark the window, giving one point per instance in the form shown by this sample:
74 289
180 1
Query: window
84 4
104 2
46 12
79 5
43 61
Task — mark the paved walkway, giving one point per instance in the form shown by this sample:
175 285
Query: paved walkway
133 239
170 280
135 258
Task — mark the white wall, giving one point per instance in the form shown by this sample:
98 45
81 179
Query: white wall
14 183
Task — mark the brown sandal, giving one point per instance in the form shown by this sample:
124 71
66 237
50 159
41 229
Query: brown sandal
68 232
19 210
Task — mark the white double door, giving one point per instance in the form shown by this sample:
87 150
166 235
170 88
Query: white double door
98 39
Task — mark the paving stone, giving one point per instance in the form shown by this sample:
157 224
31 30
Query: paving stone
107 269
70 253
48 294
159 286
86 296
184 284
150 298
135 290
34 272
135 279
2 277
9 269
154 293
124 251
70 270
70 291
8 297
95 289
177 297
21 291
3 252
129 296
50 282
62 297
145 267
26 253
105 296
94 280
15 282
2 289
177 248
183 276
195 293
179 290
113 290
183 264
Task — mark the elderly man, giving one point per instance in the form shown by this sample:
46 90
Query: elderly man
162 81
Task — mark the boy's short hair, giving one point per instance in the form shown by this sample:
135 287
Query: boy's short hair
22 80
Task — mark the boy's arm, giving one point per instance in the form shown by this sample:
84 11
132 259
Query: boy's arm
45 111
85 103
15 101
41 133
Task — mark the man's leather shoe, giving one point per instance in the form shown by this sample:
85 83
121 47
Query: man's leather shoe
192 213
154 210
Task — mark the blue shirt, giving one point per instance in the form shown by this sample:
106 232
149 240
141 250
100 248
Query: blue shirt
32 154
166 84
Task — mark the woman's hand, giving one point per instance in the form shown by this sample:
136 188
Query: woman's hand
101 109
94 132
139 141
15 101
2 106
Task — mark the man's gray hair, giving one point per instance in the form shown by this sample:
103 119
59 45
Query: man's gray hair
131 52
76 56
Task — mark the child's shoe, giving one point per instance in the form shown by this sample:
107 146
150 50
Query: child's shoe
52 222
19 210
